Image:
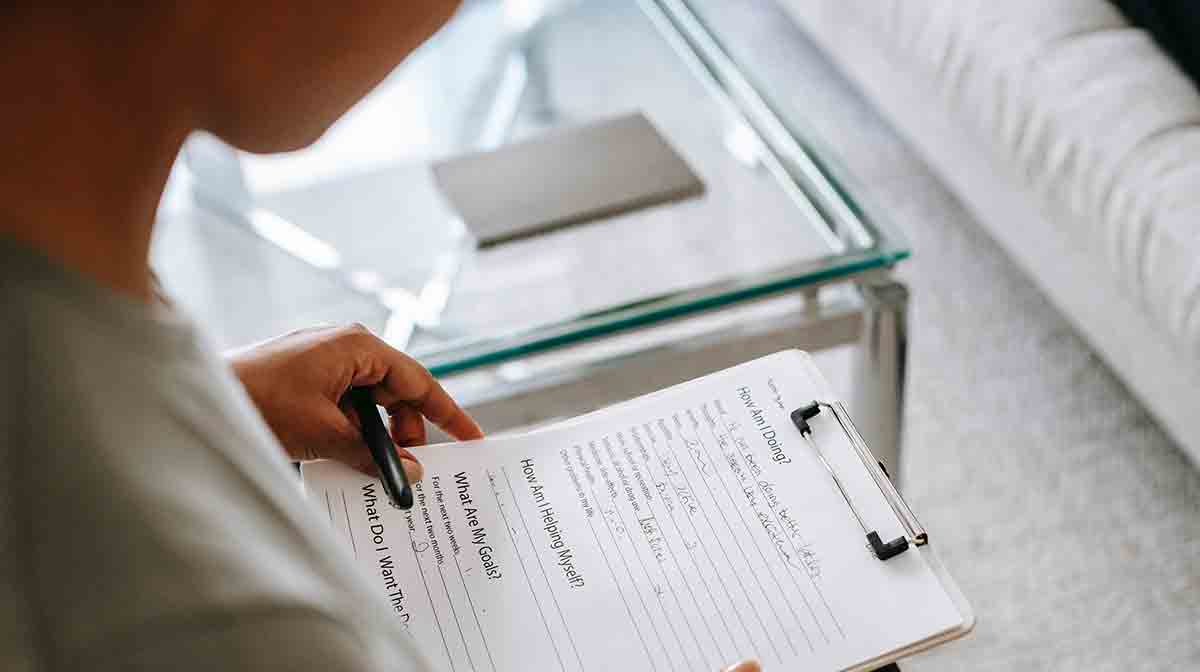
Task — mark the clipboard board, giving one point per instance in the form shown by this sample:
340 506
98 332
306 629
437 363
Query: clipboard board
914 538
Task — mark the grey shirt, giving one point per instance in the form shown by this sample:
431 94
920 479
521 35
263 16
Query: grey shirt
148 518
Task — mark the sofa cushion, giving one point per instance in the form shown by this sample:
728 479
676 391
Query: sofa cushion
1093 115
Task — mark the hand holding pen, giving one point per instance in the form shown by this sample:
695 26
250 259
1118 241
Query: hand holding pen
299 384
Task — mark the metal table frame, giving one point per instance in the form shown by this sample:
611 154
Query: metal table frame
869 310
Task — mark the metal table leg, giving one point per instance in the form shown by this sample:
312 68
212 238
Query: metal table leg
878 397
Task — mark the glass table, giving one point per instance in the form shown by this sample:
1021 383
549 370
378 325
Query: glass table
354 229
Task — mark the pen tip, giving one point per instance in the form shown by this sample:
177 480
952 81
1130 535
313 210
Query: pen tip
404 500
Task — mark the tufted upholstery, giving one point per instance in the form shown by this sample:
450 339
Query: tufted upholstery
1081 115
1095 117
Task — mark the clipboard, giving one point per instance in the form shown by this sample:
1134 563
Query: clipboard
822 441
916 538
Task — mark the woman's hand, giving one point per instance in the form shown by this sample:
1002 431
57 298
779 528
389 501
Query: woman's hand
298 381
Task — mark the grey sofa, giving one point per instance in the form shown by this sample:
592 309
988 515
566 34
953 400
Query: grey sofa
1075 141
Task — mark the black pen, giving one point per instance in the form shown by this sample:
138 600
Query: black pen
391 472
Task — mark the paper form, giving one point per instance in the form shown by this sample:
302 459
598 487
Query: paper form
682 531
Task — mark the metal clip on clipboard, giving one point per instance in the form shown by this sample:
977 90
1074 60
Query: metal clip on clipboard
915 533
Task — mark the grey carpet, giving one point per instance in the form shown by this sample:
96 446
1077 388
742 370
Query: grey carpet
1069 518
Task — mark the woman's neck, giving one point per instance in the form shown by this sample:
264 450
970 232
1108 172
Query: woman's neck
87 150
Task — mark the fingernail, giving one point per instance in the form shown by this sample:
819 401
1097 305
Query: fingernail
412 469
744 666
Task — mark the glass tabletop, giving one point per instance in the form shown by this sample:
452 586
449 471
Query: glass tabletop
361 232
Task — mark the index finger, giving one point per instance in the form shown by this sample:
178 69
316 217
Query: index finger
398 379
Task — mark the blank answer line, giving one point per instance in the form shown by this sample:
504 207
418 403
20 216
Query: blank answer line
671 623
349 527
792 543
520 514
682 575
692 554
724 552
442 575
429 595
525 571
474 611
803 597
458 623
637 472
792 570
617 583
738 575
762 556
632 581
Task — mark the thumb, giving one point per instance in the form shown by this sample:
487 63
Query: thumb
744 666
